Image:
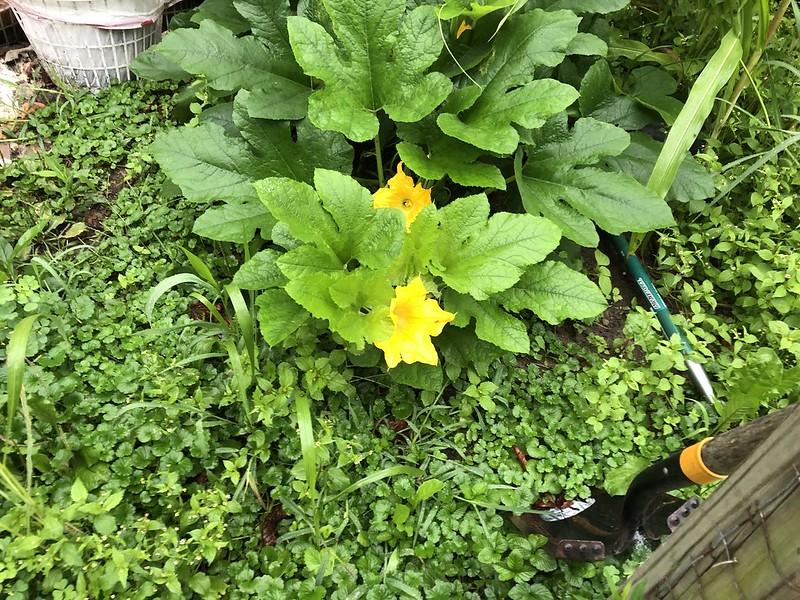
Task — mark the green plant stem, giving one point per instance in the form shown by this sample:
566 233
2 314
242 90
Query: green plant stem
379 160
744 80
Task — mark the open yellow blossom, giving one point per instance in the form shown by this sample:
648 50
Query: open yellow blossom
400 192
416 318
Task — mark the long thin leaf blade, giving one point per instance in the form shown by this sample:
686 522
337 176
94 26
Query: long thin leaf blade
200 266
687 126
15 365
377 476
166 285
763 22
245 321
307 446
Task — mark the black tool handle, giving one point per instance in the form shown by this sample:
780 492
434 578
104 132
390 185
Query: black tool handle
718 456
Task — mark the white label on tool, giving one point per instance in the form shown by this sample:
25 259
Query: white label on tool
559 514
651 298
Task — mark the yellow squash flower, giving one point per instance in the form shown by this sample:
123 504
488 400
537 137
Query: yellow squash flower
400 192
416 318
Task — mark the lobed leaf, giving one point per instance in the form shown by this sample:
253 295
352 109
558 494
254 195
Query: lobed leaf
377 62
481 258
492 323
555 184
234 222
208 165
227 62
554 292
506 92
260 272
278 316
432 155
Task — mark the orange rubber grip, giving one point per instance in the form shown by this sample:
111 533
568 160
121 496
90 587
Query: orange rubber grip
692 465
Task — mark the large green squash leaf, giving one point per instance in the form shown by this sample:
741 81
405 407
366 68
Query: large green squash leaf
337 216
227 62
363 319
208 165
601 100
481 258
560 183
507 93
234 222
267 20
433 155
278 316
291 150
492 323
151 64
554 292
221 12
645 97
378 61
260 272
262 63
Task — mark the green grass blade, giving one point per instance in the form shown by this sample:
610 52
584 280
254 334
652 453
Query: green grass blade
15 366
746 32
302 406
194 358
200 267
166 285
26 239
239 376
14 491
212 310
687 126
377 476
765 158
763 22
245 321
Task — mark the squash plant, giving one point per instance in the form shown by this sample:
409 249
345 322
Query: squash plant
300 119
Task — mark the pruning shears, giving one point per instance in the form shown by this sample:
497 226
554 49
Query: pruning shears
603 525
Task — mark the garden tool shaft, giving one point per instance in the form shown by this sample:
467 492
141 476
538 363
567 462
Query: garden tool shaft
637 271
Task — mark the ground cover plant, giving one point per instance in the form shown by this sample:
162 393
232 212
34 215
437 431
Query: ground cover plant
193 422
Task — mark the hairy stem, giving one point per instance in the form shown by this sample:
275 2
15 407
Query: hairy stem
379 159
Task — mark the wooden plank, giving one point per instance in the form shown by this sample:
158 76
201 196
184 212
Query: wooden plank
688 557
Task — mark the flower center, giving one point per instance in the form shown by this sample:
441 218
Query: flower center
406 203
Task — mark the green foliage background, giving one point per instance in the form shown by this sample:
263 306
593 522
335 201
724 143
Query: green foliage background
150 482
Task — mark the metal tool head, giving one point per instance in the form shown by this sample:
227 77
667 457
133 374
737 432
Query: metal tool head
602 526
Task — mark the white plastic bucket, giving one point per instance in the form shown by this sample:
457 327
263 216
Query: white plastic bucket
87 55
102 13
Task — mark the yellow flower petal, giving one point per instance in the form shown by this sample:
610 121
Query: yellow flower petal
416 319
401 193
462 28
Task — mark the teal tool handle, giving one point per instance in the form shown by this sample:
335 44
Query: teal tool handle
649 291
